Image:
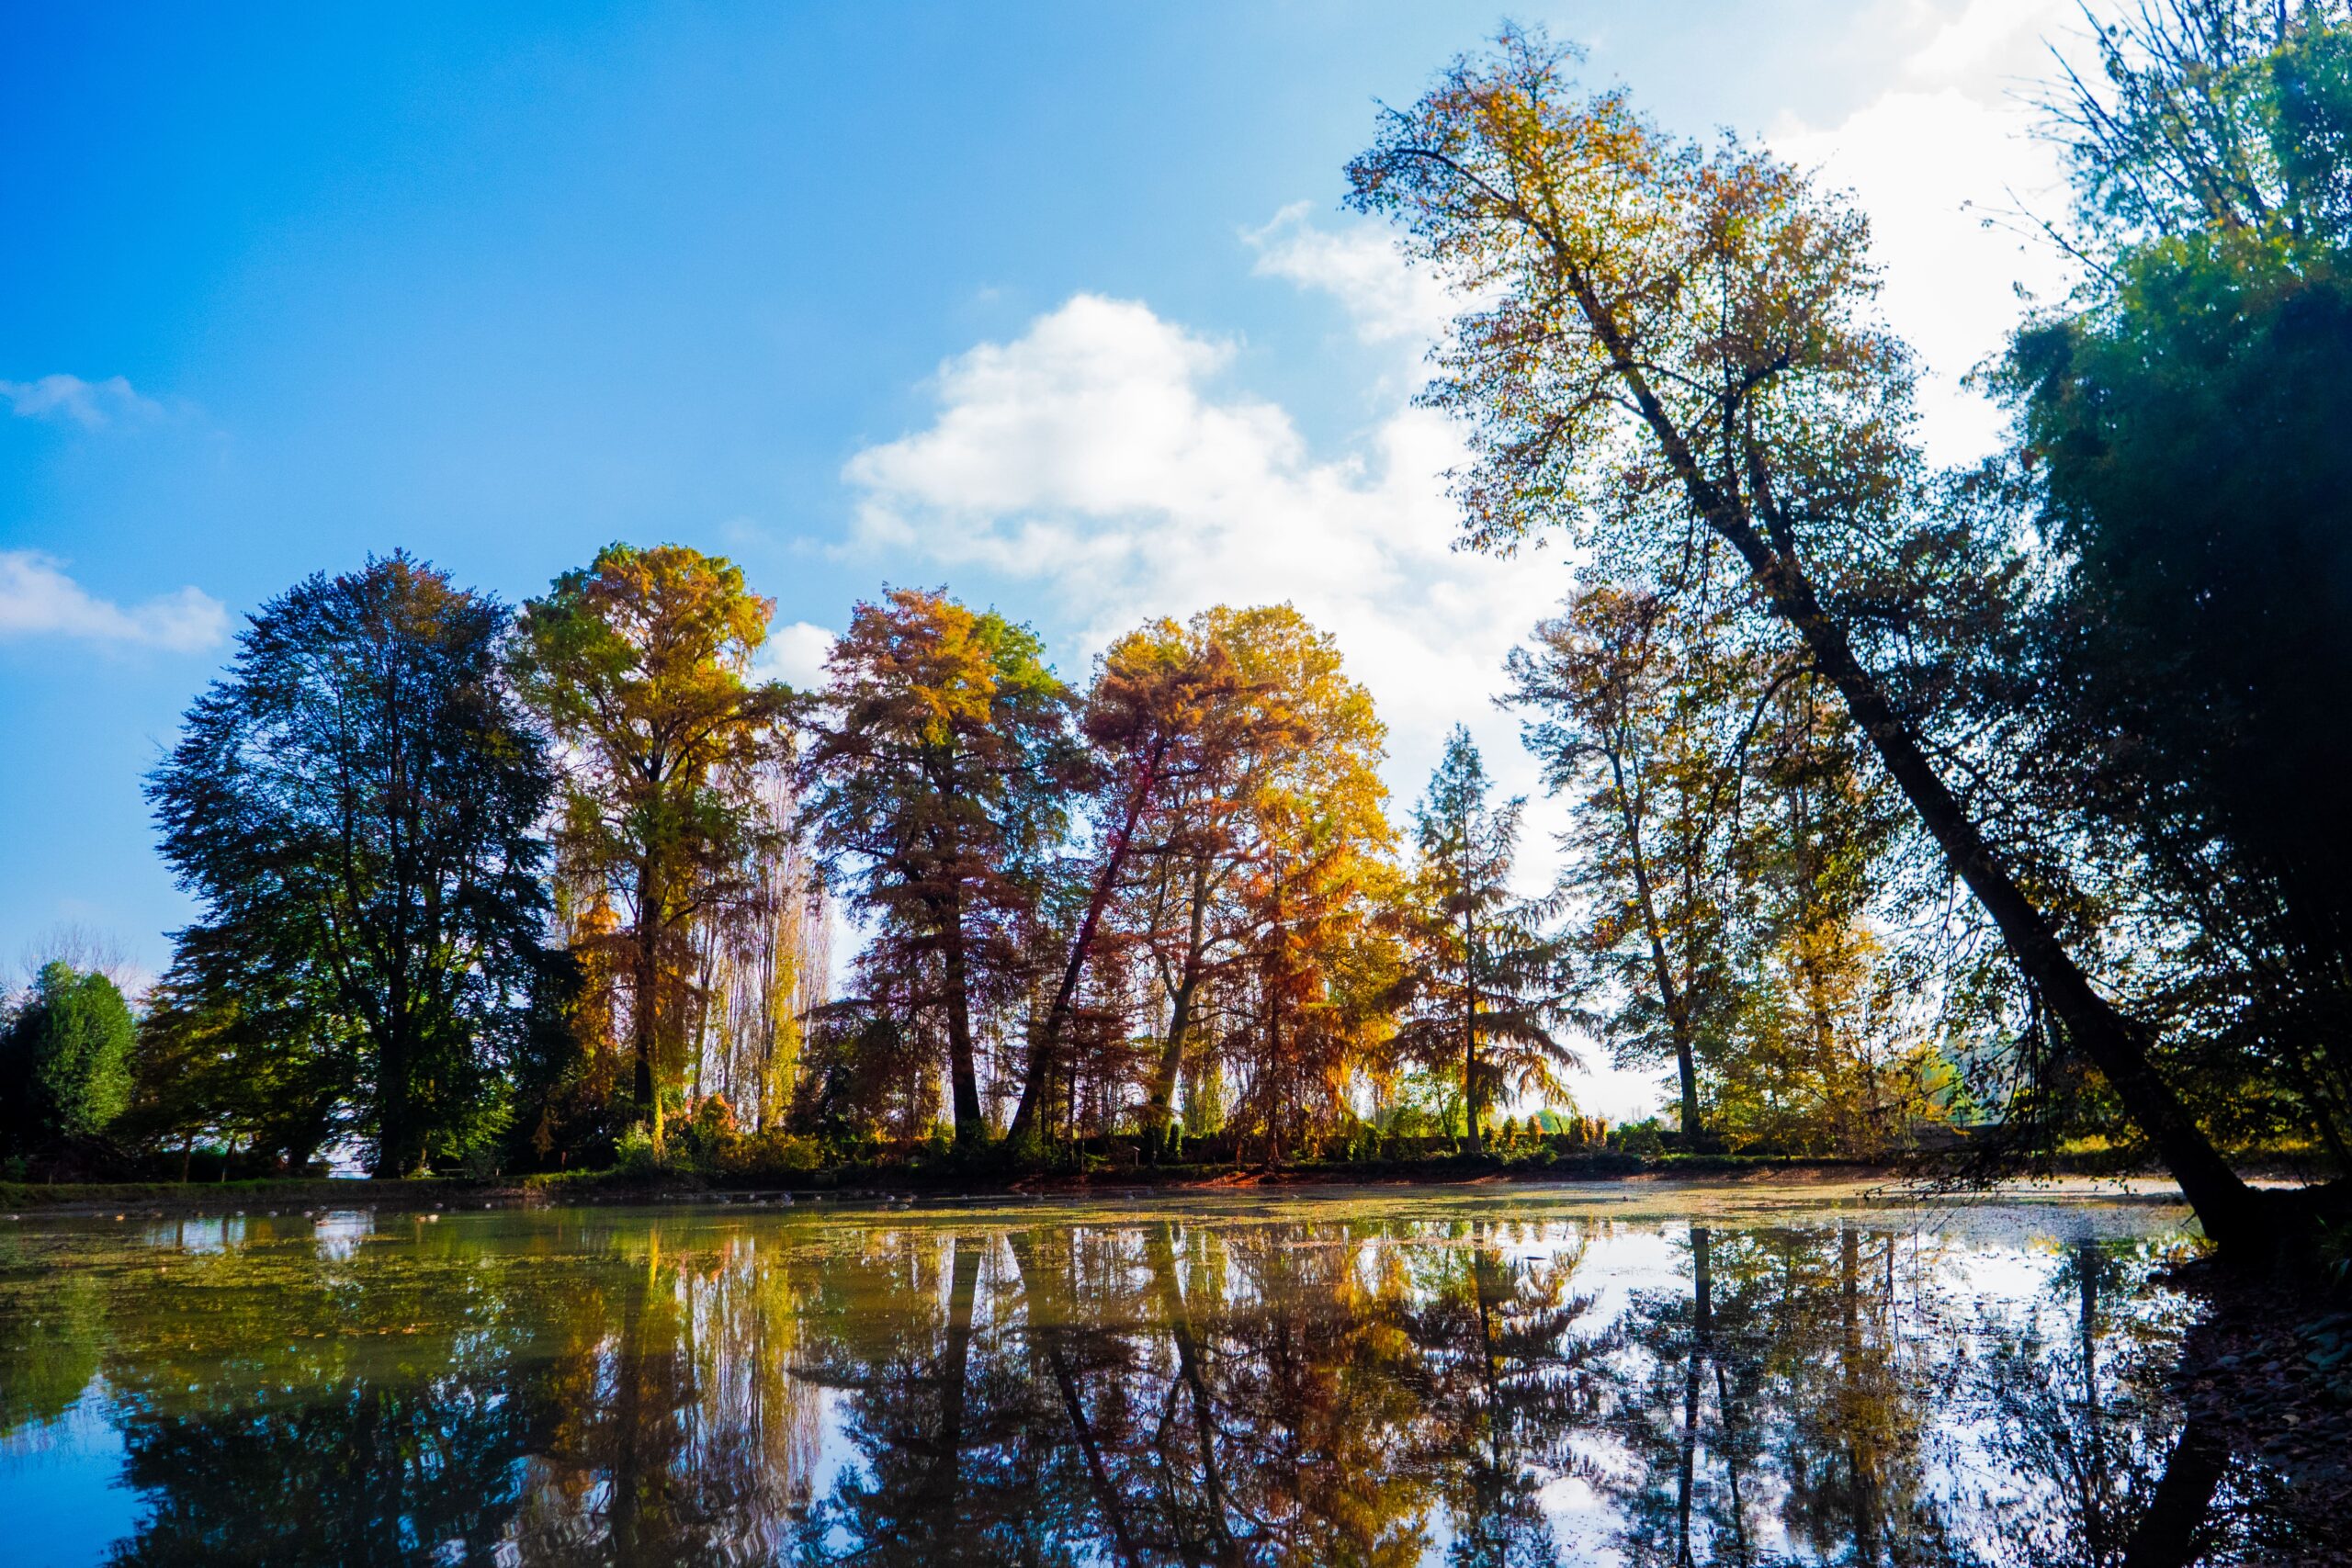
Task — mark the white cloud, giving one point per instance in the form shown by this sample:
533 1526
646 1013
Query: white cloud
90 404
38 599
1388 300
795 654
1987 42
1944 161
1095 456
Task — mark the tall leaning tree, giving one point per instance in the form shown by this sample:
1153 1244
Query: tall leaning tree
1675 344
640 666
357 805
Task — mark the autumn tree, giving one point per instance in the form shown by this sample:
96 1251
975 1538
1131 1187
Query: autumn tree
1673 344
1483 979
1305 873
639 665
1162 722
933 782
357 805
1200 831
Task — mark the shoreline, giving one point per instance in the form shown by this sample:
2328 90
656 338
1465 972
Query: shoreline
20 1201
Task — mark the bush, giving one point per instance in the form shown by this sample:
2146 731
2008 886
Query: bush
65 1059
637 1155
1642 1138
773 1152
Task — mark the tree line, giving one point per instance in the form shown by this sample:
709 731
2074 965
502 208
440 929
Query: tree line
1896 792
519 886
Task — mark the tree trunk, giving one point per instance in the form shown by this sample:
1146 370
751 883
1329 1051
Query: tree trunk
1471 1087
944 1487
1160 1102
1161 1249
1046 1054
392 1106
1672 1001
971 1127
1702 1293
2115 1044
645 1009
2088 1262
1477 1142
2169 1533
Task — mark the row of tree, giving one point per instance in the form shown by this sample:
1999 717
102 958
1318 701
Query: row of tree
477 881
493 885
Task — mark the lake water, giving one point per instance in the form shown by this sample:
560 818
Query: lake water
1625 1373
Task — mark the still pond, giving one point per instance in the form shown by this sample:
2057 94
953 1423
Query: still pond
1615 1374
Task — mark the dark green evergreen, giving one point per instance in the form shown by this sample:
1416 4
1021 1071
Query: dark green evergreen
2184 428
358 804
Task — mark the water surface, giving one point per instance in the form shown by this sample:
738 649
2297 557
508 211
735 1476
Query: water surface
1614 1375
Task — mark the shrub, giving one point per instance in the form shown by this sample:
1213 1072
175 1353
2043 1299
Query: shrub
773 1152
635 1155
65 1059
1641 1138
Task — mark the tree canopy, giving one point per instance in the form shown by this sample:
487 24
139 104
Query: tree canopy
357 805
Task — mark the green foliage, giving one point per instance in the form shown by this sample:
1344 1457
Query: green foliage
1483 980
356 804
635 1155
65 1059
772 1152
1643 1138
2182 429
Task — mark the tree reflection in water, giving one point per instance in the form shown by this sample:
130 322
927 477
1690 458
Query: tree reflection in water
1181 1389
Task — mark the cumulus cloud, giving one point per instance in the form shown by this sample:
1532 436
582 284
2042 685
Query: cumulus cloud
795 654
1944 161
1098 459
1097 456
38 599
90 404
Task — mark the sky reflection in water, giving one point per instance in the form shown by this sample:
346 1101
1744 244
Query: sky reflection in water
1528 1376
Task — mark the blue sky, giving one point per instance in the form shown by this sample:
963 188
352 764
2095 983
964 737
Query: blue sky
1053 303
